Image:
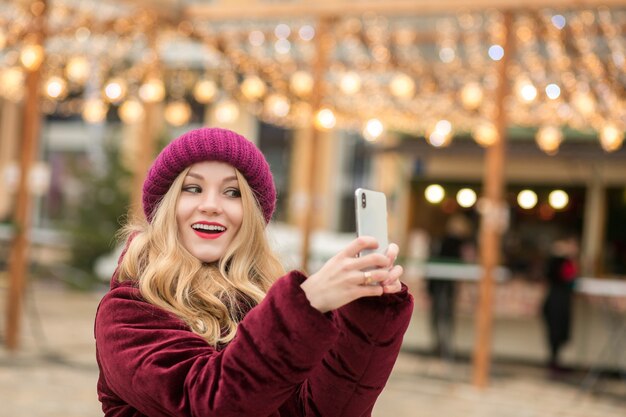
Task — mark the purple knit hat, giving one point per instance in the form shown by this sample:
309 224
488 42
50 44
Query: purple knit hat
210 144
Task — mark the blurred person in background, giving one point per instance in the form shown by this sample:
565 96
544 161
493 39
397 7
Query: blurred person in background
561 272
202 320
456 247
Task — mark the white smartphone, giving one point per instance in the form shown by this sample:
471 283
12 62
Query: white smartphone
371 218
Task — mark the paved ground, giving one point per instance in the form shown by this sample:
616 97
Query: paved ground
54 374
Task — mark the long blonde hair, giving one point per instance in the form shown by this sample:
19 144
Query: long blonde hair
211 298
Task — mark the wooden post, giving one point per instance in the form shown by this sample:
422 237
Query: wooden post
323 47
18 258
144 153
493 217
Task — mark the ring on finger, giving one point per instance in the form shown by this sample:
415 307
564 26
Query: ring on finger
367 277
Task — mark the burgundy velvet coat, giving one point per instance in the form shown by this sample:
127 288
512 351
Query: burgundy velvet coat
287 358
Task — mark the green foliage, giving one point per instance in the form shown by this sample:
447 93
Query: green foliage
105 201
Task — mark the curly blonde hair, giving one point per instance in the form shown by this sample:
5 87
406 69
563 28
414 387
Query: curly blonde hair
211 298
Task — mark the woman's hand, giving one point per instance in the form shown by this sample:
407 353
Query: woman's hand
342 278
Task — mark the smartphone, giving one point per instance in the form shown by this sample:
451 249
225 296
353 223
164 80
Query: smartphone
371 218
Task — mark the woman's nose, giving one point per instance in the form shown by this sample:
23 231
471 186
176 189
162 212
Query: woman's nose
210 203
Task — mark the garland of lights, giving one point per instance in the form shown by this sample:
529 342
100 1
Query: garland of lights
426 76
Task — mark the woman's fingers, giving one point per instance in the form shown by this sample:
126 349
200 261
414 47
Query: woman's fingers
357 245
392 252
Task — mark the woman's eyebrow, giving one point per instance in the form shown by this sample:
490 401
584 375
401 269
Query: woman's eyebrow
194 175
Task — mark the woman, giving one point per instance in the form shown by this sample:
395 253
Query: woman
201 319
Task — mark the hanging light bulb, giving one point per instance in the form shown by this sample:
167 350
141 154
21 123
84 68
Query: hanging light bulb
77 69
584 102
301 83
152 91
434 193
205 91
472 95
226 111
485 134
94 110
56 88
277 104
350 83
402 86
12 81
131 111
526 91
325 119
527 199
558 199
253 88
177 113
441 135
32 56
466 197
611 137
115 90
373 129
549 139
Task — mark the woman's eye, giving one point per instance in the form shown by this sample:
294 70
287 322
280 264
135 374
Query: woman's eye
233 192
192 189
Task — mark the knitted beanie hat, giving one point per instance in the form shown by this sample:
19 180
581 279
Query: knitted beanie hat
210 144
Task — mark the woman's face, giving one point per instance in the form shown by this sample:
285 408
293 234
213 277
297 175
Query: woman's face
209 210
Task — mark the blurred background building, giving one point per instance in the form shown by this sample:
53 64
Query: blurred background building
511 114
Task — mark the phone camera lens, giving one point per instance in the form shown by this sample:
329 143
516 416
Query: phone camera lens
363 201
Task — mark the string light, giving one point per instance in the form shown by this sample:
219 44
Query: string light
434 193
383 68
527 199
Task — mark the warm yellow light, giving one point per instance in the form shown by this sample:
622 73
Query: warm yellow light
325 119
402 86
277 104
56 88
549 139
584 102
177 113
373 129
472 95
527 92
527 199
131 111
350 83
441 135
301 83
611 137
434 193
95 110
253 87
558 199
32 56
152 91
3 39
77 69
12 82
115 90
466 197
205 91
226 111
485 134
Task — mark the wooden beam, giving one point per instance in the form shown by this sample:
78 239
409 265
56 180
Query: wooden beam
31 124
323 49
493 217
318 9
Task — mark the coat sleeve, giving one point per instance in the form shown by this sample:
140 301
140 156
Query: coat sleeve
152 361
353 373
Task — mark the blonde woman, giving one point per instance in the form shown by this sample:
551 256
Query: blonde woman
202 320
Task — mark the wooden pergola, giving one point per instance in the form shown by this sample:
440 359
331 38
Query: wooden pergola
325 13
